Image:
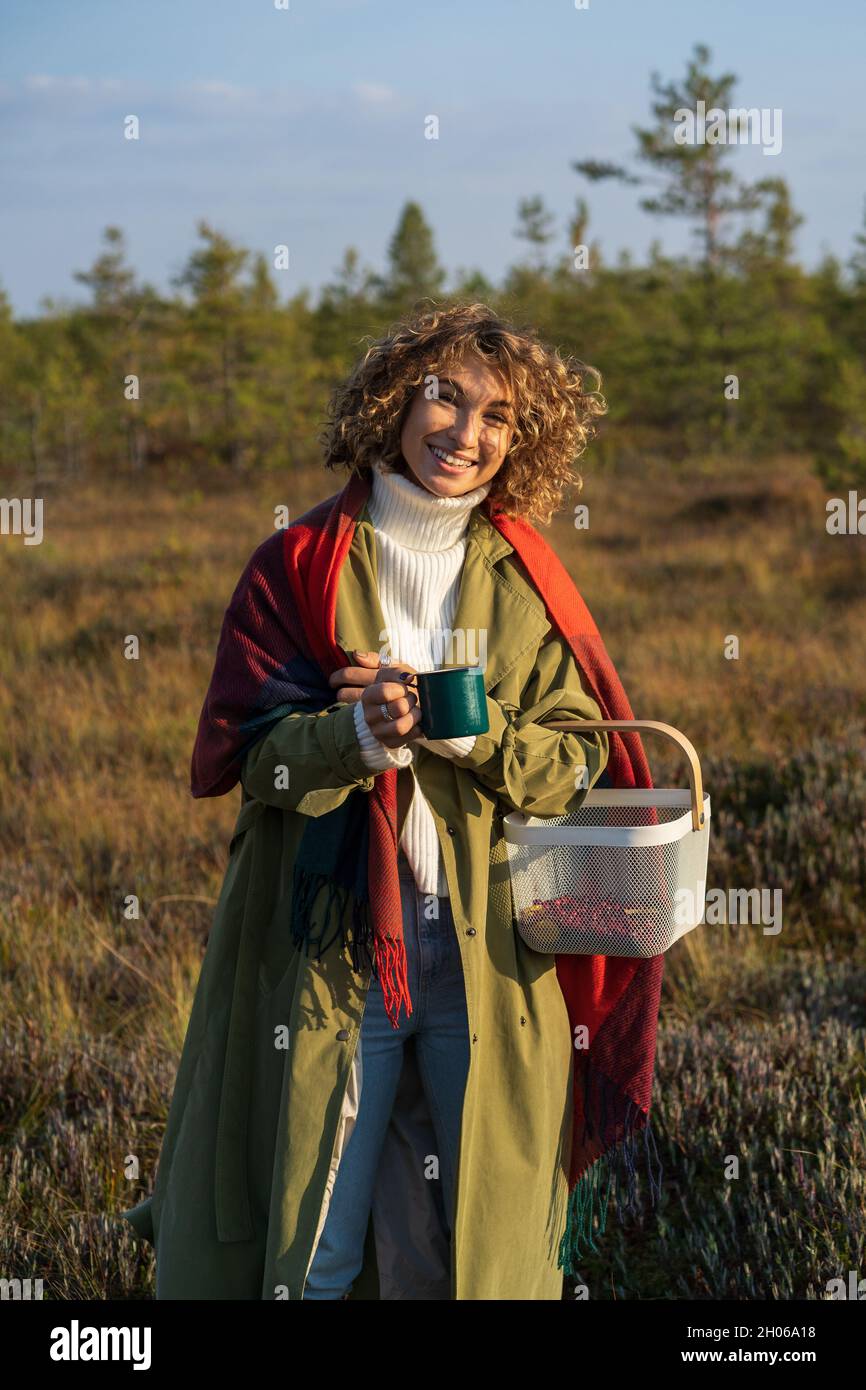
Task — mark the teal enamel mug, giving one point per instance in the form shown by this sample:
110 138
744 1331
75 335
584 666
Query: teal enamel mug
453 702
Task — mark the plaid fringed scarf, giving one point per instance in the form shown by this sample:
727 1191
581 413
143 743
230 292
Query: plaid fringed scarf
276 650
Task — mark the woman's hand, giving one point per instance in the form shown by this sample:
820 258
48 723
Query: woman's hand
365 682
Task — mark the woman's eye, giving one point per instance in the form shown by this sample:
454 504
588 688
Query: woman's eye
489 415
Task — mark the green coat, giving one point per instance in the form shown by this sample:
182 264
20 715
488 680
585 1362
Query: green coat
271 1075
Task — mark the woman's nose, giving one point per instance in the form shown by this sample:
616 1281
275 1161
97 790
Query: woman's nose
465 432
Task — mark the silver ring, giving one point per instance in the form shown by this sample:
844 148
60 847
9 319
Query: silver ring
385 714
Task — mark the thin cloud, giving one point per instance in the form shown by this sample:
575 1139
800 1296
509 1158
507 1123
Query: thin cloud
47 82
216 88
374 93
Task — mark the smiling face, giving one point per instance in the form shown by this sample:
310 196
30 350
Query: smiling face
459 441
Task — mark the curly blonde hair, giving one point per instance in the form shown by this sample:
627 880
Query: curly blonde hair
553 412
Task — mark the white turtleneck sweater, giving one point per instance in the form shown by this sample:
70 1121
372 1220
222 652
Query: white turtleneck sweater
420 549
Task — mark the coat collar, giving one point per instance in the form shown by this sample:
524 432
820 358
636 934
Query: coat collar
487 601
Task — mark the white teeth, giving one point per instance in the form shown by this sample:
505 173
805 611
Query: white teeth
449 458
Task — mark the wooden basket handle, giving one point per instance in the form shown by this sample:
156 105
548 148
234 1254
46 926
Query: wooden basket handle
652 726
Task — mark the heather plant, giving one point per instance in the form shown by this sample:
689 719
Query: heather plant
785 1095
799 824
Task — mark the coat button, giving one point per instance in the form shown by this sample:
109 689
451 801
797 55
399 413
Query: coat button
470 931
451 830
343 1035
522 1019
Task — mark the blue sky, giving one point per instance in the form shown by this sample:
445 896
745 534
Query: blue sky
305 126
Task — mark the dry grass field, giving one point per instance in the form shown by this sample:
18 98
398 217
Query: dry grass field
761 1042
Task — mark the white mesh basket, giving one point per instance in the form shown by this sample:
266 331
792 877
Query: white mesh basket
624 875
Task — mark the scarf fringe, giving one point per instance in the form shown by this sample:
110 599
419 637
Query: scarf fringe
617 1163
385 959
392 976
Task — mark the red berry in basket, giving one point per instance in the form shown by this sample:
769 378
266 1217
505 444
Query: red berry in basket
602 916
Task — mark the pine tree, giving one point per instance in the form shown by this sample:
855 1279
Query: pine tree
414 272
694 180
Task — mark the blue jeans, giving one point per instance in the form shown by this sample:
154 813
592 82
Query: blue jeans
440 1027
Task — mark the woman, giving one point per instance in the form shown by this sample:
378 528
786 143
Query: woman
378 1094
